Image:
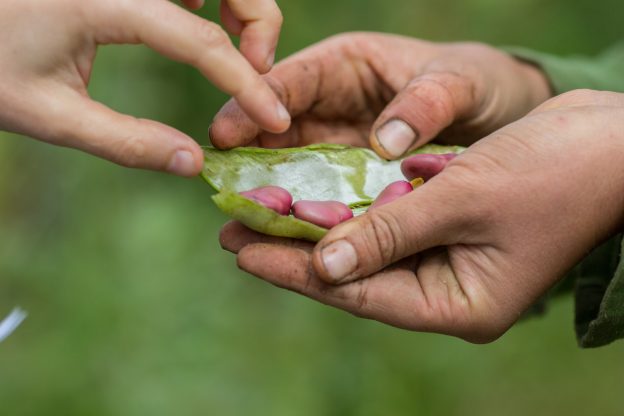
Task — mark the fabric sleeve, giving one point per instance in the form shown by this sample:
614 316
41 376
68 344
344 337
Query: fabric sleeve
604 72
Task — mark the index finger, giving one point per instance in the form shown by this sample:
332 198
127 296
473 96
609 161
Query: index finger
185 37
318 80
259 22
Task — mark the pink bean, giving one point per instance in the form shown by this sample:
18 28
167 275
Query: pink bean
425 166
326 214
273 197
393 191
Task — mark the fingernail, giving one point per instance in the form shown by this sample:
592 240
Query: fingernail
396 136
182 163
282 113
270 59
339 259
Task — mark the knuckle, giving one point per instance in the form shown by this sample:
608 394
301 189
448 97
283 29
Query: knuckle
436 97
212 35
347 38
561 100
582 99
474 179
251 85
362 296
474 49
132 152
384 242
276 18
278 86
577 95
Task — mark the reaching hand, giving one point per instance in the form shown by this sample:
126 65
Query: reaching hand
468 252
392 93
46 57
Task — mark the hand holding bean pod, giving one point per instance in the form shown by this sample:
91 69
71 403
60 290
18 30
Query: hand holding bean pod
470 251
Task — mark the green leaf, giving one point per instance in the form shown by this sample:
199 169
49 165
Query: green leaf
323 172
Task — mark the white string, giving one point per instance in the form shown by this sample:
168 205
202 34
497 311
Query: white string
11 322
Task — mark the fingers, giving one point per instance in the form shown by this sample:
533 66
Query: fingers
231 23
426 106
396 297
259 23
296 81
94 128
319 82
185 37
430 216
235 236
233 128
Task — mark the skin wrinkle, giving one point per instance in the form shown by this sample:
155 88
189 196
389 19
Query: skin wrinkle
318 94
415 268
370 97
448 114
386 92
310 276
431 77
386 235
361 298
434 282
376 91
453 285
283 93
356 56
473 269
393 80
458 76
457 68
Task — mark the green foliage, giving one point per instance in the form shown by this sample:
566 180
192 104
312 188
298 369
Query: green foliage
135 310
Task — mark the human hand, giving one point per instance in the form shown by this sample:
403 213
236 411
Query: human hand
468 252
394 93
47 49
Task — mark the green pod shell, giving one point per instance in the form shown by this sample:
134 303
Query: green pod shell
322 172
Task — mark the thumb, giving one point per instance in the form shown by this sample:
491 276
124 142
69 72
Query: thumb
425 218
425 107
128 141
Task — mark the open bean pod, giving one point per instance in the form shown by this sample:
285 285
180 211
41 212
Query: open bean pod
353 177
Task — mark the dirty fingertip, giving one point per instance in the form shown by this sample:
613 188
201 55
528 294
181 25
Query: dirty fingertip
231 127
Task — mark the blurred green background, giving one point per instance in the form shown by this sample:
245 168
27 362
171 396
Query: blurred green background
135 310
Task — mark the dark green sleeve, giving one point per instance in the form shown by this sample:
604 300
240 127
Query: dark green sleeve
599 278
603 72
599 295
